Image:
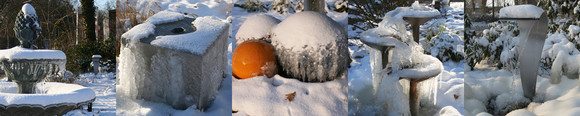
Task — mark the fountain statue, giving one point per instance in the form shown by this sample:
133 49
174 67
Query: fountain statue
27 66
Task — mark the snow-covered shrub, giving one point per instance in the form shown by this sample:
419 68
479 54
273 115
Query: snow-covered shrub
252 5
285 6
496 44
366 14
311 47
561 13
447 46
442 43
68 77
475 48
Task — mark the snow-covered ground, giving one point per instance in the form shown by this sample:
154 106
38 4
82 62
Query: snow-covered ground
492 91
103 84
220 106
282 95
442 95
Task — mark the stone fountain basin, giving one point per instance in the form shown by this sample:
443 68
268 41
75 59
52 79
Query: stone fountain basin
51 98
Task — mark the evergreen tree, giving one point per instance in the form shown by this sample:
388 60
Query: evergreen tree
88 10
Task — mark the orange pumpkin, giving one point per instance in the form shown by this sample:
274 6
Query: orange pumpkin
254 58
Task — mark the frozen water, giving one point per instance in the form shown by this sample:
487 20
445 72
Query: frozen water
24 53
521 11
208 30
258 26
311 47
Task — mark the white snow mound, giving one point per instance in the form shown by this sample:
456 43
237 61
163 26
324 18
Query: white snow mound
24 53
208 30
28 10
256 27
50 93
521 11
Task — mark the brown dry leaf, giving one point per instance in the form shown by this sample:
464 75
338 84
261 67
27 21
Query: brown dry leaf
290 96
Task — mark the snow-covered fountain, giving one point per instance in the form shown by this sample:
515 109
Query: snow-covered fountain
27 67
533 26
172 58
395 55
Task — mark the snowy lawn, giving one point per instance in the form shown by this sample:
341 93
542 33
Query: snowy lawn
492 91
285 96
220 106
104 87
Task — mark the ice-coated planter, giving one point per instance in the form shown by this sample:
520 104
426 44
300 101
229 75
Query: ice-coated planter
311 47
180 68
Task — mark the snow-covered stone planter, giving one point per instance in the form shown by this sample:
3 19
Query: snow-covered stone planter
167 60
311 47
51 98
256 27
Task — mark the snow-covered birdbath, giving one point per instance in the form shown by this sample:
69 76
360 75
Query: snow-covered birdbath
533 26
383 49
27 67
174 59
390 42
417 15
